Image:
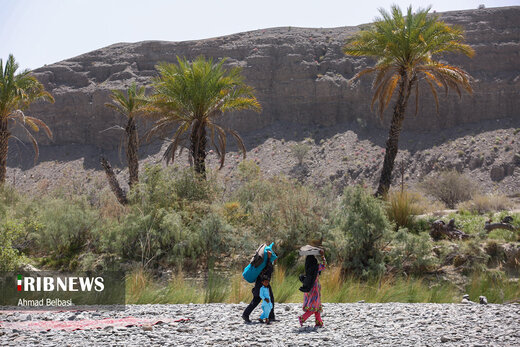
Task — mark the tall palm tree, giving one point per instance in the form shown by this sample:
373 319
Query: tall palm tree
17 92
193 96
406 49
130 105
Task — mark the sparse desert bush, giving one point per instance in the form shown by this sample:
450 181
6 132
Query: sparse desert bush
299 151
481 203
361 228
450 187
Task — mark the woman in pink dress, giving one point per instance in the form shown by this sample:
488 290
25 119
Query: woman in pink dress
312 289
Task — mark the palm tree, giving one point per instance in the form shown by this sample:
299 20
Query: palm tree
193 96
17 92
130 105
406 49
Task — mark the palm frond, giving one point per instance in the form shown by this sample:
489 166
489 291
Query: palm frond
409 42
196 93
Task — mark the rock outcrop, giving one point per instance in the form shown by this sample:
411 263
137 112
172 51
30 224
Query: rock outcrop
301 76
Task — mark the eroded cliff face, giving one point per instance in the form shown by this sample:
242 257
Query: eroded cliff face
301 76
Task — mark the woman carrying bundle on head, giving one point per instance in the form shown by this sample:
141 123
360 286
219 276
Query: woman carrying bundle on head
311 284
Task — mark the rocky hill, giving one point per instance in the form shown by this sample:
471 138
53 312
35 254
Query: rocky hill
301 76
303 81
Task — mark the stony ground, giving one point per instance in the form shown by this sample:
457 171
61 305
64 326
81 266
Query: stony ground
359 324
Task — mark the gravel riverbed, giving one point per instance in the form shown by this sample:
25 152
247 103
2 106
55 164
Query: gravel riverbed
359 324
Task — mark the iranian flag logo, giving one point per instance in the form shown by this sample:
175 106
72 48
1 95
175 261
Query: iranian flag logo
19 283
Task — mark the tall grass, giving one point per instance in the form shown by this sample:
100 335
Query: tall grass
141 289
494 286
402 207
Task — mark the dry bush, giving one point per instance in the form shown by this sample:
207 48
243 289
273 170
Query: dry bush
425 204
109 207
481 203
450 187
402 207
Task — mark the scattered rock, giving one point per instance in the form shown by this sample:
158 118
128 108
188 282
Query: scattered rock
482 300
475 163
465 299
516 159
147 328
497 173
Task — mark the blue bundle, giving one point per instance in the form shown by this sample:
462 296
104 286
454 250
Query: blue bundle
251 273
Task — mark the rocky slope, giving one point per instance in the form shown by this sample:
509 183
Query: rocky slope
303 83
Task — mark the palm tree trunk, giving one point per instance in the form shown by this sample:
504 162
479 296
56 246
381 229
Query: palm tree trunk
113 182
4 140
405 87
198 147
132 152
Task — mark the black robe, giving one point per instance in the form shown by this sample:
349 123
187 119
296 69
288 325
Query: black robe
311 271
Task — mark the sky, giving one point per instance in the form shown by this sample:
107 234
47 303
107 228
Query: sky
39 32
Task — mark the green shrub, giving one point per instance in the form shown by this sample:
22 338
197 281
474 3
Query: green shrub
284 211
155 189
150 237
361 229
8 198
10 258
66 227
450 187
248 170
411 254
215 237
168 187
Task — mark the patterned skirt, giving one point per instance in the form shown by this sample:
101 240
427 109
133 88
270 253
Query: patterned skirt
312 299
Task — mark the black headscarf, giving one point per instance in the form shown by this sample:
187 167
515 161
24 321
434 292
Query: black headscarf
311 271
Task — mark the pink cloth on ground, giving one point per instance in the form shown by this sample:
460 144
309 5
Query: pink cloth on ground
86 323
